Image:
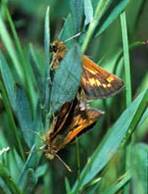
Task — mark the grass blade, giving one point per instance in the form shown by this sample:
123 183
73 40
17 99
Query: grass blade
47 67
125 125
88 11
119 185
10 48
140 168
126 59
8 180
112 16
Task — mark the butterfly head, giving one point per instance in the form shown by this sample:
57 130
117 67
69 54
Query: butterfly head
49 151
57 46
52 145
48 148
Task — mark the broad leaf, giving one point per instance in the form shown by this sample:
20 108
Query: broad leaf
88 11
77 10
66 79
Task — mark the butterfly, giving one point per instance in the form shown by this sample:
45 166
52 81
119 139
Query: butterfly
75 117
96 82
71 121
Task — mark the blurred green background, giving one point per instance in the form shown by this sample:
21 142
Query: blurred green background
36 174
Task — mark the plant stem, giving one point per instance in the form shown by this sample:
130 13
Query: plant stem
101 6
128 86
126 58
17 143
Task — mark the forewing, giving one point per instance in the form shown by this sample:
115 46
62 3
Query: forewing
60 119
82 119
97 82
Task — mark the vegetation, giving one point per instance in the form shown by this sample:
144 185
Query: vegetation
112 157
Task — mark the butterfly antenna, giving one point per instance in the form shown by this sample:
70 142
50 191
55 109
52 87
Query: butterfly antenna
36 133
66 166
72 37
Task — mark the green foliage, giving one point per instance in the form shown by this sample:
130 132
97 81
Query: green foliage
66 83
112 140
139 168
110 159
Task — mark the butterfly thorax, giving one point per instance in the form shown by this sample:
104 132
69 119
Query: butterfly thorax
52 145
58 48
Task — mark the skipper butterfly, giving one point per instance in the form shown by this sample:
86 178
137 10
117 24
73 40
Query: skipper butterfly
96 82
73 119
76 117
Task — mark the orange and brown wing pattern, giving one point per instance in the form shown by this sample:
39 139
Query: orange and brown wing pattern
60 119
77 121
97 82
81 121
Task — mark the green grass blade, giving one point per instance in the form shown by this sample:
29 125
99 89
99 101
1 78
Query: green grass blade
14 33
128 88
24 116
12 187
34 60
8 80
25 67
112 16
88 11
19 101
140 168
9 97
100 8
47 37
10 48
103 17
119 185
126 59
30 164
13 132
67 186
47 66
112 140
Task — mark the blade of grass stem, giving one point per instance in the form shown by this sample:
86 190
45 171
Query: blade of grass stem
24 62
127 85
126 58
11 120
10 47
119 185
102 5
47 66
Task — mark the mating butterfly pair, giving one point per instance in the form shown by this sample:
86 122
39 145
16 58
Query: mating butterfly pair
76 116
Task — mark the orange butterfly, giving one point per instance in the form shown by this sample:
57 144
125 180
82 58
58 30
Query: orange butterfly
95 81
73 119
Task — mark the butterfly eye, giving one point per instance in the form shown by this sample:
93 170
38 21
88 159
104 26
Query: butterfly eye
53 48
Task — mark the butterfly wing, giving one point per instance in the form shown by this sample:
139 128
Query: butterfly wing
77 122
60 119
82 119
97 82
54 137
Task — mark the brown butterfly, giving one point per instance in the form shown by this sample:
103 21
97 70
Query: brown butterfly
95 81
73 119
